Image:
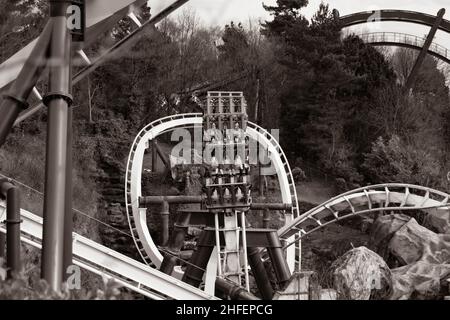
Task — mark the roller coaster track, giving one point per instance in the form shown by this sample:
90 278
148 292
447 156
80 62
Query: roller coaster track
377 198
393 15
405 40
137 216
107 263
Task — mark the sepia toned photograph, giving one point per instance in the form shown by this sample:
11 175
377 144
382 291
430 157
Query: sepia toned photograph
225 154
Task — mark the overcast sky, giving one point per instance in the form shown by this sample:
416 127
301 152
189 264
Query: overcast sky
220 12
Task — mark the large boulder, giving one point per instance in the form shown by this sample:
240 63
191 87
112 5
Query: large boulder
420 280
439 220
382 231
413 242
361 274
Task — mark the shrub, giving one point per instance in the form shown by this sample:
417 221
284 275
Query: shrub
396 161
24 287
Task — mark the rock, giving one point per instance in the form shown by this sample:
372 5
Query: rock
361 274
408 243
439 220
420 280
413 243
382 231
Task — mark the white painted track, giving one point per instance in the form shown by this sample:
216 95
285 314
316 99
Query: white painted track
107 263
137 217
371 199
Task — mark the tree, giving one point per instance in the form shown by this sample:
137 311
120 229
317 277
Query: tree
330 82
394 161
20 22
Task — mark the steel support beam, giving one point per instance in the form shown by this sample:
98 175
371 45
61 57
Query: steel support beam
199 261
233 291
176 243
278 260
152 200
125 43
58 101
16 99
165 220
162 155
260 273
421 58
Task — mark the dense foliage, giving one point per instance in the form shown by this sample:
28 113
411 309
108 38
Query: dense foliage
342 97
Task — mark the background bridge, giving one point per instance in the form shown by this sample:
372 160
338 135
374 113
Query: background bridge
405 40
393 15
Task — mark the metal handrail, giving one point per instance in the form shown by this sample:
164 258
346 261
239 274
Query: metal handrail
404 38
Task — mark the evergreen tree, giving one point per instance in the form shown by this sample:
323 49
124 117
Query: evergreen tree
329 83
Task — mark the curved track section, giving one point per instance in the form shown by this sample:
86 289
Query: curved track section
137 218
405 40
393 15
377 198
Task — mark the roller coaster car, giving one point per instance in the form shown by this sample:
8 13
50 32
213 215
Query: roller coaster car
227 190
228 196
224 122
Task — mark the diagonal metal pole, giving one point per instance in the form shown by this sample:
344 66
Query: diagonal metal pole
421 58
58 101
16 99
123 44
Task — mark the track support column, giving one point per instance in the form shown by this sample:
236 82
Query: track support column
58 101
276 255
165 219
194 272
176 243
260 273
12 195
